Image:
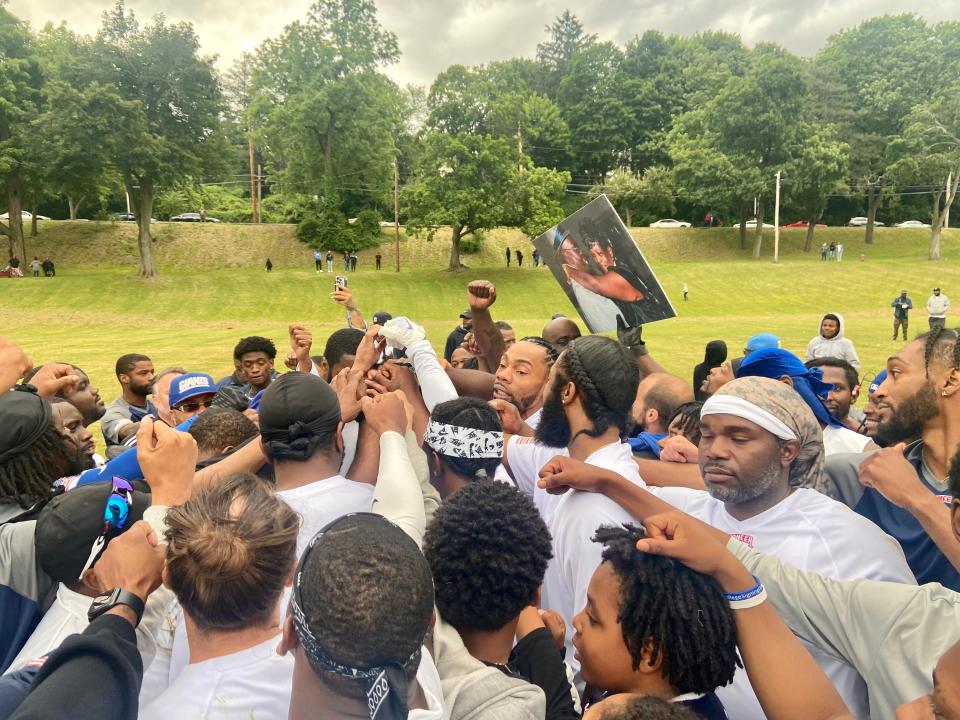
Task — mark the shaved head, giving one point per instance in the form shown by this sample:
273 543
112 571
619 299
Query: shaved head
560 332
658 397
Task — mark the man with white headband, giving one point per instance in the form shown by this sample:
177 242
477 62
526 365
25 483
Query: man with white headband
463 442
760 452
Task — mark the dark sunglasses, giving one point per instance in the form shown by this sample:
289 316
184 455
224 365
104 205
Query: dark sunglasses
192 407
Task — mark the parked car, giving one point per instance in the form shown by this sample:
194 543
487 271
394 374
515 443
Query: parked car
24 216
129 217
862 222
192 217
912 224
802 224
669 223
753 224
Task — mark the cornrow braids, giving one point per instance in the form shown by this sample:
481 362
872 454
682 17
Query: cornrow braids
549 347
682 614
606 377
27 478
933 340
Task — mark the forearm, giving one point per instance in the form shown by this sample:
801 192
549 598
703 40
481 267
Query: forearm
670 474
472 383
248 458
367 462
787 681
489 338
934 516
537 659
398 496
435 385
634 499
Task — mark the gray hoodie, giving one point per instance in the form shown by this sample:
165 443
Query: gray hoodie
837 346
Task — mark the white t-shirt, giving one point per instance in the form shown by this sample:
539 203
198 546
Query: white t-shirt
501 473
573 519
67 615
429 680
815 534
842 440
252 683
320 503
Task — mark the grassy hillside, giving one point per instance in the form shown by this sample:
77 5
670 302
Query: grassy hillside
186 245
212 291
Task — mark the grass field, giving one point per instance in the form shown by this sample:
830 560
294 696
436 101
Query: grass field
212 291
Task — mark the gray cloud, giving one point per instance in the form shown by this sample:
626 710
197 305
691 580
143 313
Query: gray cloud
434 34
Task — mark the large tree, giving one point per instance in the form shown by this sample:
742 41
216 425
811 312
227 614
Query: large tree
465 182
567 38
20 82
327 118
169 125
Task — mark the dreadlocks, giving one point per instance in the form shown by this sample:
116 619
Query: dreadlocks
687 417
681 614
27 478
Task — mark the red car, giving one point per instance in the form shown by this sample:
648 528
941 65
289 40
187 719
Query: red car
802 224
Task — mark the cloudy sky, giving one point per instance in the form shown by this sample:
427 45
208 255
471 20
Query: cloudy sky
436 33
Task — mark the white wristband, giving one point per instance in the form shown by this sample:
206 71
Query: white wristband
749 602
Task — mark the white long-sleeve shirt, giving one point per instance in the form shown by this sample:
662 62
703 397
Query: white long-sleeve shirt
937 305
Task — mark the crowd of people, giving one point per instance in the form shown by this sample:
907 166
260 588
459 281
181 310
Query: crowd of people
36 267
545 527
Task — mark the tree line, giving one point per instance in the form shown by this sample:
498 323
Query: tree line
662 124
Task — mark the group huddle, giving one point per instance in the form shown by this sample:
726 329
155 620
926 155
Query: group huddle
547 527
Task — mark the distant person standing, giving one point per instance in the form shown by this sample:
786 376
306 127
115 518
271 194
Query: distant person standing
823 252
269 266
378 257
519 258
48 269
937 306
353 261
346 262
35 266
508 257
329 260
839 252
902 306
536 258
833 251
317 258
685 291
708 219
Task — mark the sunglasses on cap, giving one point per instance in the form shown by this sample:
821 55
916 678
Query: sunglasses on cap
115 515
192 407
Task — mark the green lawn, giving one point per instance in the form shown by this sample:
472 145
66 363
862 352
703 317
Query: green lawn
96 309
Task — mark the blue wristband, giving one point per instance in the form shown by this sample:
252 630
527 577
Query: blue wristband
746 594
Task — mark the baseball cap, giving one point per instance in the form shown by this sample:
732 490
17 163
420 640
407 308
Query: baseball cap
190 385
763 341
467 314
379 318
70 523
877 381
936 288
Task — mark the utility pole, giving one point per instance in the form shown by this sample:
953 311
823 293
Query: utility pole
519 148
946 213
259 190
776 223
396 209
253 182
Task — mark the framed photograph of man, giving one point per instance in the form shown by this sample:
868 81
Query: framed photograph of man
601 269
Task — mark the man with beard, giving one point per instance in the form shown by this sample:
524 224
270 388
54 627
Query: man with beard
903 488
760 445
68 420
585 414
122 417
521 377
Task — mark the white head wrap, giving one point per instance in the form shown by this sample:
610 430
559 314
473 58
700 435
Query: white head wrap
738 407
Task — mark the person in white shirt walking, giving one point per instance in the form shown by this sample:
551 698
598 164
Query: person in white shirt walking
937 306
231 549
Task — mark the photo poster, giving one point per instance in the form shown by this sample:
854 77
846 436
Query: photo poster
601 269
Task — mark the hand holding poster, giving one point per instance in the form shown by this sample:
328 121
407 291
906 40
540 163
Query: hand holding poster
600 268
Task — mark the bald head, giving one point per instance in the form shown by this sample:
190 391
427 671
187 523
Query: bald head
560 332
658 396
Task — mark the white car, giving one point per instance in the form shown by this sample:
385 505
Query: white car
862 222
669 223
753 224
24 216
912 224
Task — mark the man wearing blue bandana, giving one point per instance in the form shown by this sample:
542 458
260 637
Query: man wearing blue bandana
783 365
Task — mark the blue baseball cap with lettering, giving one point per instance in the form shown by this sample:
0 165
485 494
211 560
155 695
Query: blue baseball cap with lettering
190 385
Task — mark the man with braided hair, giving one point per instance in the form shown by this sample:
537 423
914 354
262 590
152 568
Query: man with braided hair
903 488
651 626
760 452
586 414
